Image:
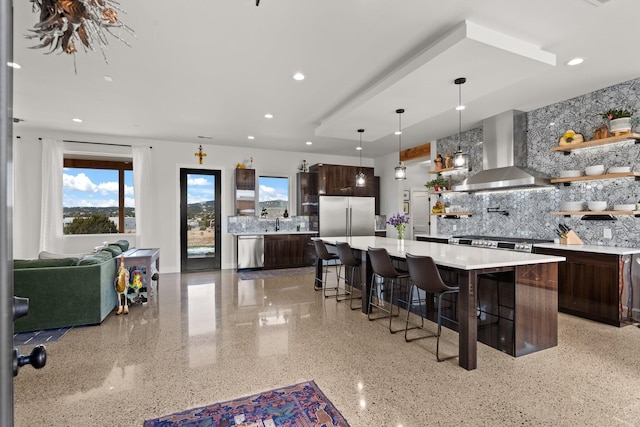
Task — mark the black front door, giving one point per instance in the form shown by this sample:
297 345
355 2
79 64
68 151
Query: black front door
199 220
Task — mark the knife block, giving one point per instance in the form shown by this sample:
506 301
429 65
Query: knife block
571 239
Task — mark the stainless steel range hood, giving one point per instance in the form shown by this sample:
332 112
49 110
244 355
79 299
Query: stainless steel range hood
504 156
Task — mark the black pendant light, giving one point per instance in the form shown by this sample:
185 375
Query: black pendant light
460 159
361 179
401 169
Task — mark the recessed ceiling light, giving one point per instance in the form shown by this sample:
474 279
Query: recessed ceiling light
358 148
460 107
397 132
575 61
309 142
298 76
108 79
251 137
268 116
77 120
14 65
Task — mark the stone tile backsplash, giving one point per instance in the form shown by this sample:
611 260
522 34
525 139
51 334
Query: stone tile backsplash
530 210
254 224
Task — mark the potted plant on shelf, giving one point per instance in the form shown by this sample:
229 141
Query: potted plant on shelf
437 184
620 120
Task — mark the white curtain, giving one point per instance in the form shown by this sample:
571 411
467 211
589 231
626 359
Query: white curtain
142 164
51 210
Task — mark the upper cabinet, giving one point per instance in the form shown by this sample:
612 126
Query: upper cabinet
337 180
245 192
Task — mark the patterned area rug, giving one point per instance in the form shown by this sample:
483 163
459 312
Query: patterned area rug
39 337
301 405
265 274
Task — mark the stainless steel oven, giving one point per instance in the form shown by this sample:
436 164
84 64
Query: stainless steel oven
518 244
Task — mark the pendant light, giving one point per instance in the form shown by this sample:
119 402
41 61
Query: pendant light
361 179
460 159
401 169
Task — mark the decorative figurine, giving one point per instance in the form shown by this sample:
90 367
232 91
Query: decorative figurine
122 286
439 162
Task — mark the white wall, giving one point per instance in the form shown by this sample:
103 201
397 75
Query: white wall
391 200
168 158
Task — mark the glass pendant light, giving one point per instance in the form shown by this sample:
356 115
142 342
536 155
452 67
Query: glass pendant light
401 169
460 159
361 179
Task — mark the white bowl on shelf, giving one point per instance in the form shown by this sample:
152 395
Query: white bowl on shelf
625 207
570 174
572 206
594 170
619 169
597 206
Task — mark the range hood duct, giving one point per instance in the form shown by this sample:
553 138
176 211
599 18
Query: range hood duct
504 156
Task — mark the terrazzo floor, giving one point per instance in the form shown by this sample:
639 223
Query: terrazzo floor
210 337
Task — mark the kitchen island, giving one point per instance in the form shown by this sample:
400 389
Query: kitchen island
535 282
600 283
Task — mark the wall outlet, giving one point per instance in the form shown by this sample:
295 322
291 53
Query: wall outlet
607 233
455 227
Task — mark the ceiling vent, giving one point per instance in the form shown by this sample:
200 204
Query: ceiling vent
598 2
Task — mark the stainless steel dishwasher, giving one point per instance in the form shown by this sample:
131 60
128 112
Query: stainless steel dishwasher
250 251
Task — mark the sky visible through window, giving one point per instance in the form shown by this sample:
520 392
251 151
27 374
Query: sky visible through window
95 188
200 188
273 188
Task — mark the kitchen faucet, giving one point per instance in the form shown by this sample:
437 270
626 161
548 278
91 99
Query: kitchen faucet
277 223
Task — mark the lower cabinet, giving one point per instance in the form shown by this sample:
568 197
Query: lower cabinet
589 285
286 250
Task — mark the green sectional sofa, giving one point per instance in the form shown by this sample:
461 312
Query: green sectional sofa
67 291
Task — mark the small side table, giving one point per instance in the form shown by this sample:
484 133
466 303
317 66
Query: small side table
143 257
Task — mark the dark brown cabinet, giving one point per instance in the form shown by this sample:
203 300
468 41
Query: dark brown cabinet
286 250
245 192
338 180
588 285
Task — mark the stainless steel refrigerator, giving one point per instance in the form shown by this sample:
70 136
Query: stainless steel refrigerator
346 216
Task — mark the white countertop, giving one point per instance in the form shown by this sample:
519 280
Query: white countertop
263 233
607 250
455 256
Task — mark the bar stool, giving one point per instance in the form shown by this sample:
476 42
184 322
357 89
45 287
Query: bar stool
424 275
384 273
351 264
327 259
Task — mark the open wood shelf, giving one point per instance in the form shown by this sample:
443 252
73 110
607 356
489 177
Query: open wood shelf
453 214
597 142
594 177
596 213
441 192
456 170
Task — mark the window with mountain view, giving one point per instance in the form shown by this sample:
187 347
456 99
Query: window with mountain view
97 197
273 196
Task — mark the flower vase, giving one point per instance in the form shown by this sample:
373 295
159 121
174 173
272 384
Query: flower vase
620 126
401 230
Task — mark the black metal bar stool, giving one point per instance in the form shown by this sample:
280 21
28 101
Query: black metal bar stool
327 259
387 277
351 264
424 275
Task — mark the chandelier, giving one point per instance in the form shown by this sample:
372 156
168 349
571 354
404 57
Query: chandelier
66 25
